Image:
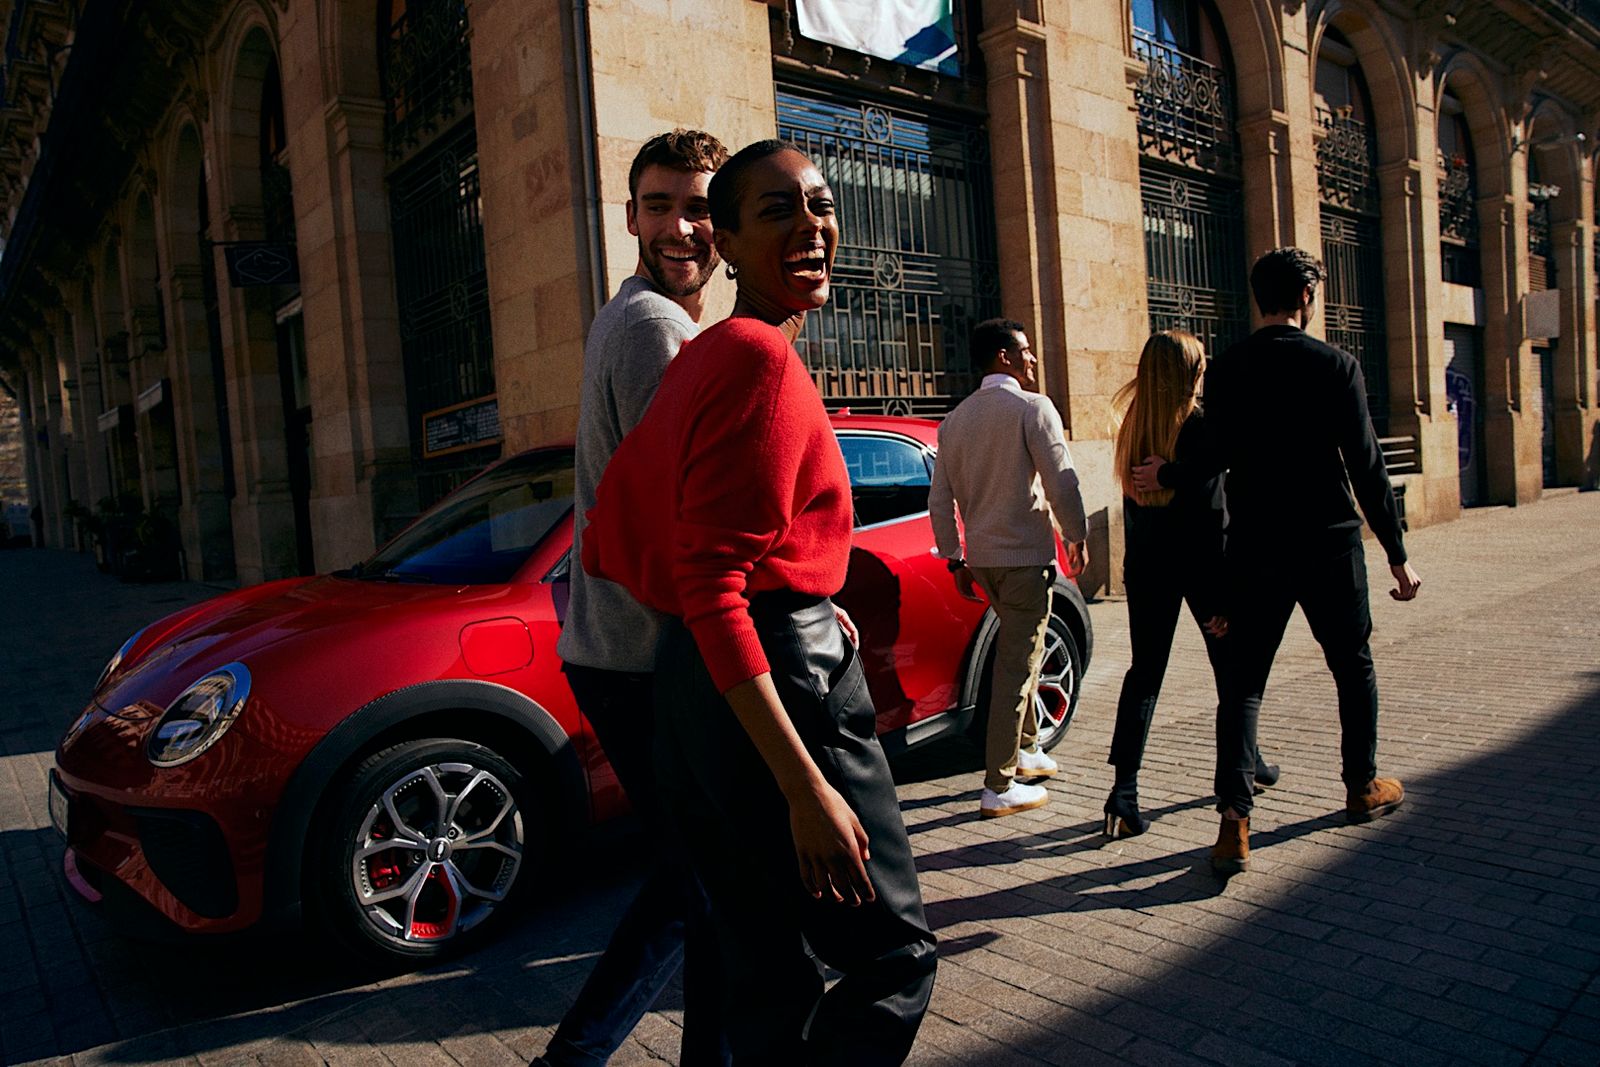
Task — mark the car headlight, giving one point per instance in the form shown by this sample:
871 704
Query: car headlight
199 717
116 660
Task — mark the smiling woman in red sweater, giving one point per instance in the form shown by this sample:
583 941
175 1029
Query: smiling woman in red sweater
728 508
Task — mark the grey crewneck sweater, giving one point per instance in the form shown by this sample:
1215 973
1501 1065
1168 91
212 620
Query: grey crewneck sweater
1003 459
630 343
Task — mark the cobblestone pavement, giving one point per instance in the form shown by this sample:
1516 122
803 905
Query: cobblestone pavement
1463 929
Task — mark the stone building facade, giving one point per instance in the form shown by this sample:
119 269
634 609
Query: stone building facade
278 273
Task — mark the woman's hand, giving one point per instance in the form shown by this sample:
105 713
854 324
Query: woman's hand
829 842
1216 626
831 847
848 625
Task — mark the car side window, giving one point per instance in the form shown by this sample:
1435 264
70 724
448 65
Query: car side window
889 477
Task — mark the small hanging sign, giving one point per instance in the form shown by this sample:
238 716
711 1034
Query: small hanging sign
261 263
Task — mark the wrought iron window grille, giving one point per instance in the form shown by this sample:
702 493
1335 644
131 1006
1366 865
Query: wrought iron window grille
1194 255
1185 108
1347 157
917 264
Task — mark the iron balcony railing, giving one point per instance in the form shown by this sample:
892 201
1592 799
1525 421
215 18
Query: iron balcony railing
1458 200
1541 266
1185 108
427 73
1347 173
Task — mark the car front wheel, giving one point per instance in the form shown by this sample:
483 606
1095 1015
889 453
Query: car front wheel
422 851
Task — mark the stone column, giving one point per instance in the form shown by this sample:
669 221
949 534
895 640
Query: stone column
1572 246
1278 152
204 518
1511 376
89 394
1066 186
262 508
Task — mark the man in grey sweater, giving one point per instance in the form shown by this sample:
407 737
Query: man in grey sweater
1003 460
608 640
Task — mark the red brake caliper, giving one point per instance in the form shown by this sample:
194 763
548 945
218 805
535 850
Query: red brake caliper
427 931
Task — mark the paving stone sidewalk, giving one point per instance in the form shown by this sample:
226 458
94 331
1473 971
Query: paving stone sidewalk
1463 929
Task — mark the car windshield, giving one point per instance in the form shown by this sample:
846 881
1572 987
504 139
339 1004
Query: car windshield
484 531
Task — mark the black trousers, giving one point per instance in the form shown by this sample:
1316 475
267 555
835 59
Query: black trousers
649 944
1331 588
772 935
1155 596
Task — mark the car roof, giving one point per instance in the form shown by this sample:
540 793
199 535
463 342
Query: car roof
924 430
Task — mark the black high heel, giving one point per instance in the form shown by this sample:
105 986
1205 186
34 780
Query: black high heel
1122 814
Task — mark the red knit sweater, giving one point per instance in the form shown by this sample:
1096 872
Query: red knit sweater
732 484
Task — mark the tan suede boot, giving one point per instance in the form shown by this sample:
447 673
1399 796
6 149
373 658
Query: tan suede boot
1379 797
1231 853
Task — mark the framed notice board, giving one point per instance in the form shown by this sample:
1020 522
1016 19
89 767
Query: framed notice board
470 424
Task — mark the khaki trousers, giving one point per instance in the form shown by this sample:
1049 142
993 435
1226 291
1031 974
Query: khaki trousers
1020 597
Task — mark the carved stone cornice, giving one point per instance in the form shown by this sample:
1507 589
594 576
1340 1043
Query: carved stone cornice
1433 20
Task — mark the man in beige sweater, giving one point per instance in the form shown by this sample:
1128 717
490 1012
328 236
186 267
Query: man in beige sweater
1003 460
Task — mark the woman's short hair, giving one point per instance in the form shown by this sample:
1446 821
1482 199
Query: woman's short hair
1280 277
686 150
727 185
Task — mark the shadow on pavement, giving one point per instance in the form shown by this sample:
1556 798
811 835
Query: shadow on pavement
1463 928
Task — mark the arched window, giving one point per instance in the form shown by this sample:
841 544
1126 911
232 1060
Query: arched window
441 284
1189 172
1352 250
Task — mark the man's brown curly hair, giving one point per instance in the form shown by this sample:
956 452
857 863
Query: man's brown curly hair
688 150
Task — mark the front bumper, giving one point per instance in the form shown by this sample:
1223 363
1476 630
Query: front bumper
188 842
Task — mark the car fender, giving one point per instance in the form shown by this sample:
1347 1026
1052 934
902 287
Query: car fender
388 715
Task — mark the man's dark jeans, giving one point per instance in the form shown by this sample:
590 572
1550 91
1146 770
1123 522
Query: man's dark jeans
1331 588
648 945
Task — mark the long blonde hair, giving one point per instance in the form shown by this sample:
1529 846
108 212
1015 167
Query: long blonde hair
1160 397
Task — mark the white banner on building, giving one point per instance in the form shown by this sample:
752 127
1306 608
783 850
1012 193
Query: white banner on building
919 33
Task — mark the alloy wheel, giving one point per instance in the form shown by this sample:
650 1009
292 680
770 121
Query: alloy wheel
436 853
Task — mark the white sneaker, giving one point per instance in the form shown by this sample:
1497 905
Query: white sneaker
1035 764
1020 797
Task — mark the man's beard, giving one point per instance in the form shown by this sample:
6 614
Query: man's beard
696 282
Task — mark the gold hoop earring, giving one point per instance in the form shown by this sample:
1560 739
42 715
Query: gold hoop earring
732 272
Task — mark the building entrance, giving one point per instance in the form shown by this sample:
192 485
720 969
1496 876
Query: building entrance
1463 385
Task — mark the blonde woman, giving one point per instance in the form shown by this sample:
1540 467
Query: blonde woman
1173 540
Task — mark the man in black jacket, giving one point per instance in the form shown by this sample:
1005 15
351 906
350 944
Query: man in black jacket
1287 417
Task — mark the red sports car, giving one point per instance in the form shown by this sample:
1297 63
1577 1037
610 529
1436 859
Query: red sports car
390 748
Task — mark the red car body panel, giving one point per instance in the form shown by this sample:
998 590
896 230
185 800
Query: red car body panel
319 649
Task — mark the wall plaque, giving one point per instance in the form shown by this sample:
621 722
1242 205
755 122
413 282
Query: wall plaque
459 427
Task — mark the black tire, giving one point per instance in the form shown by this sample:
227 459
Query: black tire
1060 683
427 895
